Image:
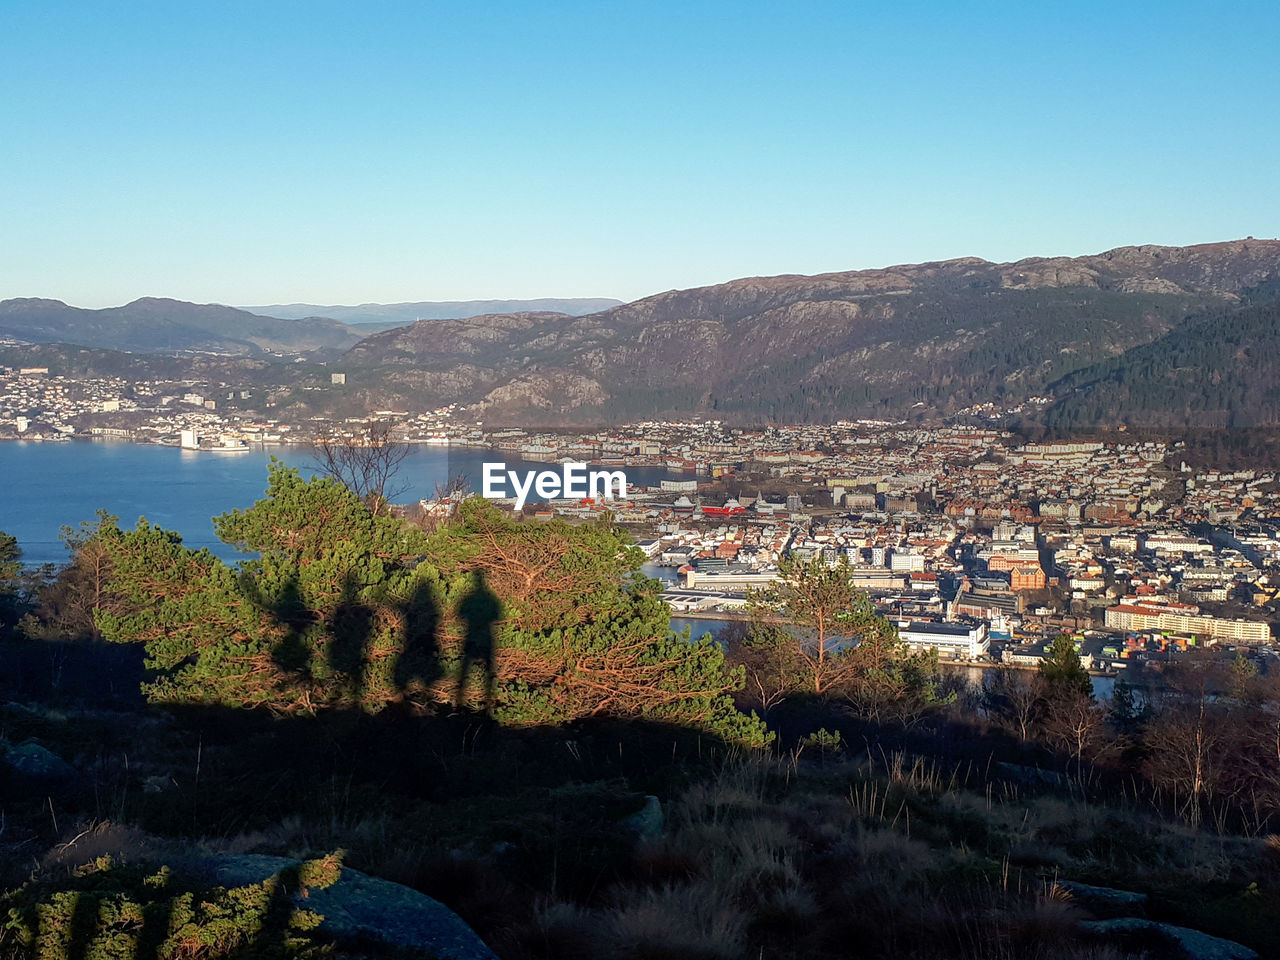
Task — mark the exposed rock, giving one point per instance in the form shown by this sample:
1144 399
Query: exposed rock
647 823
560 393
1057 272
1150 285
1193 944
1022 773
360 906
34 767
1105 901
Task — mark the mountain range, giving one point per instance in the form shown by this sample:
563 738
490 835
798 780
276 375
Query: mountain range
399 314
932 338
1152 335
159 325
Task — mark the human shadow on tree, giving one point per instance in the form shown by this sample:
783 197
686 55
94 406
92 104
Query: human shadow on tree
479 610
418 664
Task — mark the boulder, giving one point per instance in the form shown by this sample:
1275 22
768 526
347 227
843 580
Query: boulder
647 822
359 906
1105 901
1193 944
1022 773
34 768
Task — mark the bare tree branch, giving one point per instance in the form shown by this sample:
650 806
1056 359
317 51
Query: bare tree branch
366 462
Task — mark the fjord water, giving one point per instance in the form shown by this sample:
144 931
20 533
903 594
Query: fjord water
44 486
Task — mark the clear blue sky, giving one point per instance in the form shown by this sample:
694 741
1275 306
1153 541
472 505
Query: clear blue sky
346 152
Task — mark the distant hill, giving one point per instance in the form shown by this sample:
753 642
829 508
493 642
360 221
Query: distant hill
1220 369
918 339
155 325
69 360
399 314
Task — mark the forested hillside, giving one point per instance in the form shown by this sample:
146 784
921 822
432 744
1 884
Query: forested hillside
1219 369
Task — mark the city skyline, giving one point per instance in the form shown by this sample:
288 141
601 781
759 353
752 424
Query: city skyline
238 155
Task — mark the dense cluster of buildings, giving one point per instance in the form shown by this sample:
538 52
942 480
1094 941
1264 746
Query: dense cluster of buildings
959 531
36 405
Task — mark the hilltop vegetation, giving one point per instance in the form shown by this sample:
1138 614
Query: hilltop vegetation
342 608
810 360
68 360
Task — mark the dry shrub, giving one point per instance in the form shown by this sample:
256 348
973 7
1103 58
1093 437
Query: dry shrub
670 861
476 888
918 775
1067 821
88 842
1042 924
757 848
559 931
730 796
1034 853
286 836
695 921
819 821
787 911
692 921
1094 951
406 864
884 852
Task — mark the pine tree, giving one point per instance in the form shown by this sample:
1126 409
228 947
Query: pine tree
834 619
10 569
1125 713
343 607
583 633
1063 674
831 641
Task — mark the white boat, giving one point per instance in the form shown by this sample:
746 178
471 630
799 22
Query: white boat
228 446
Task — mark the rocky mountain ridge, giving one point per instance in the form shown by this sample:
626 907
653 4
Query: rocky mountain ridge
914 338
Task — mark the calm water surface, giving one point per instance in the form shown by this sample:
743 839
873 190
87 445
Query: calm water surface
44 486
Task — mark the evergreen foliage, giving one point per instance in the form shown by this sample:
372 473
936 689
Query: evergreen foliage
582 633
1063 674
831 641
1215 370
534 623
66 598
10 568
109 912
1126 714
